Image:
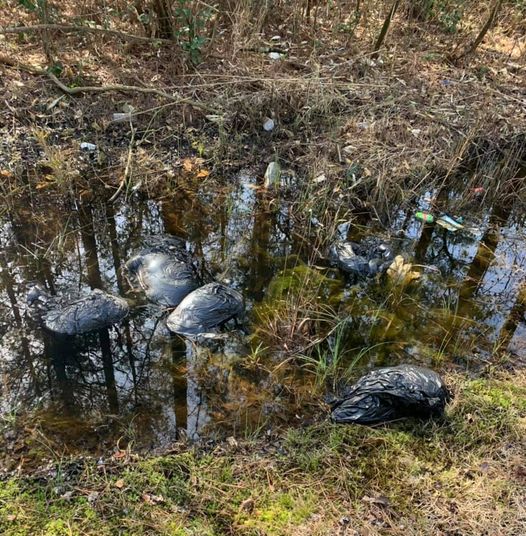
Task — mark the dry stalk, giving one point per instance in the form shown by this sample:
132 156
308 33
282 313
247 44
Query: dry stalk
127 170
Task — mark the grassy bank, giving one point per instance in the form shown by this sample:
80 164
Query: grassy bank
465 475
359 138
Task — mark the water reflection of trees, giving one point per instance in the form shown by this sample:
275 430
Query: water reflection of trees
93 374
481 302
136 369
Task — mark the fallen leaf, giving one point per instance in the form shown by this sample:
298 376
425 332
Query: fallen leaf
232 441
188 165
42 185
54 102
11 517
203 173
401 273
214 118
152 499
119 484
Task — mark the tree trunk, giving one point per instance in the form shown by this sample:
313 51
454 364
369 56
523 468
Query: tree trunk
514 318
165 19
485 29
385 29
46 39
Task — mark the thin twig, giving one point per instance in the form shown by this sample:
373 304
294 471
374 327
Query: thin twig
127 171
82 29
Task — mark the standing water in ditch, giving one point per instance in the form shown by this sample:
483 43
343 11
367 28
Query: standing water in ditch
307 326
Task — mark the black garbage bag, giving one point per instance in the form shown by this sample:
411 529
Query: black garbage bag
163 270
67 316
364 259
205 309
392 393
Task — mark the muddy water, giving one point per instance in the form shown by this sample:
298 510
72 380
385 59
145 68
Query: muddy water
135 383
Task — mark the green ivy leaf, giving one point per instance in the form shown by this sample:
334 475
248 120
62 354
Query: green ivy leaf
28 4
56 69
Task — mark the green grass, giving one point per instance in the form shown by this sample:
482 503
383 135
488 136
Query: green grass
463 473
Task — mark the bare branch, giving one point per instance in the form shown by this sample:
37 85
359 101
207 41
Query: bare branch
81 29
103 89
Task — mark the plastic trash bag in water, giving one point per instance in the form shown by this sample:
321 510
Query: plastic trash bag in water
392 393
365 259
66 316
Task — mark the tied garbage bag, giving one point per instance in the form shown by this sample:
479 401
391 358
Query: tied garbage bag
163 270
94 311
391 393
365 259
205 309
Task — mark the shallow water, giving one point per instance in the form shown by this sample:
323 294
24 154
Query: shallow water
136 383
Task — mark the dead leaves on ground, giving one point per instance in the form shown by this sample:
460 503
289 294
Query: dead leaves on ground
149 498
193 168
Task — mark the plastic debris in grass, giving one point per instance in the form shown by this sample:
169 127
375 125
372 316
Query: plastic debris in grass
205 309
425 217
86 146
444 221
365 259
65 316
448 223
268 125
391 393
163 270
272 175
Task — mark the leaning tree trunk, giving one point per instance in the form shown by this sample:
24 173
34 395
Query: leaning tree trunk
485 29
385 29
